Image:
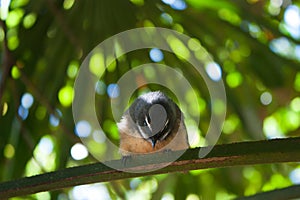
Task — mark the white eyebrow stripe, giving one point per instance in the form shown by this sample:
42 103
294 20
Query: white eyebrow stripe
166 123
165 135
148 124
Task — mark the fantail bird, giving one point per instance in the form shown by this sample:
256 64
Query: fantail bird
152 123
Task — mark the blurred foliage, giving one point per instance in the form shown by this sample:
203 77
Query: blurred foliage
255 43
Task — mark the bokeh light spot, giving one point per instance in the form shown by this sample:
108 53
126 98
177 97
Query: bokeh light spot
27 100
276 181
29 20
73 69
134 183
44 154
295 176
9 151
218 106
166 18
42 195
234 79
214 71
292 20
14 17
4 108
13 42
138 2
156 55
97 64
194 44
178 27
169 2
100 87
271 128
295 104
54 120
192 197
4 7
46 145
90 192
65 96
32 168
168 196
231 124
15 72
229 16
68 4
291 120
178 47
113 90
79 151
254 30
178 5
266 98
23 112
282 46
83 129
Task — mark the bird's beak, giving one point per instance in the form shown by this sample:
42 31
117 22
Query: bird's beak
153 142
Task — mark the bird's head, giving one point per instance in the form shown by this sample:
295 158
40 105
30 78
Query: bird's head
155 116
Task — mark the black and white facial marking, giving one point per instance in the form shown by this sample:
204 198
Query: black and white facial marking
155 116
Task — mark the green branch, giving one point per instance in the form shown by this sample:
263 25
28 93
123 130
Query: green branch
236 154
